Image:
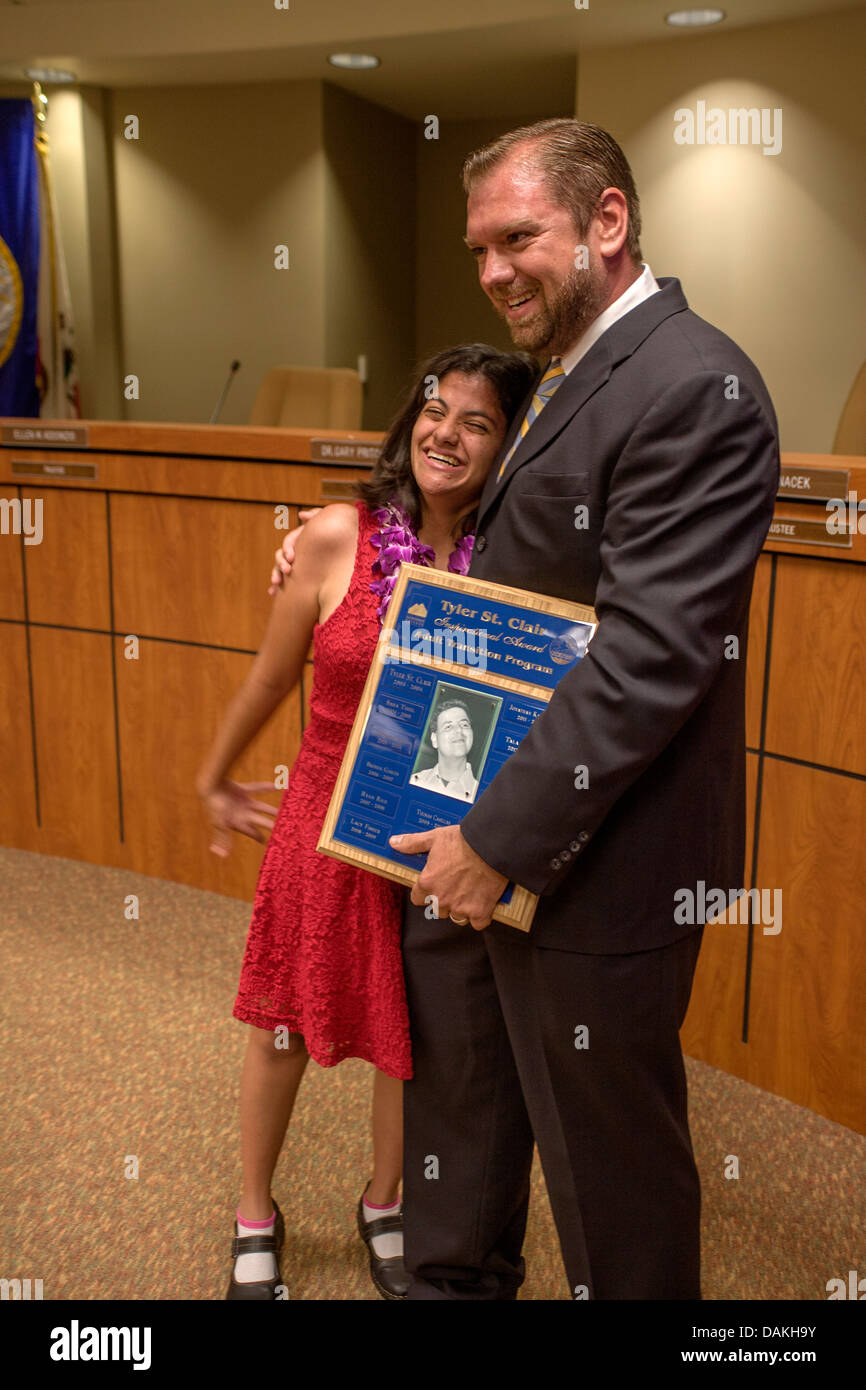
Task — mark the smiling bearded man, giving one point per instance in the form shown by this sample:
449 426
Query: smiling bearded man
568 1035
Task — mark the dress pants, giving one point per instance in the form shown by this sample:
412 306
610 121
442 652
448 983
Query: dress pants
511 1040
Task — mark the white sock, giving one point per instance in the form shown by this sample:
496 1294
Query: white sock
392 1242
261 1264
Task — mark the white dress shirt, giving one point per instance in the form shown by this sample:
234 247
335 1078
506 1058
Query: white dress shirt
463 787
644 286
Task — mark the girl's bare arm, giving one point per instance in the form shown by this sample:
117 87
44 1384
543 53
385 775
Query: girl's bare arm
279 662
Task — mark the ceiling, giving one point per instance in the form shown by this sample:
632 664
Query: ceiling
456 59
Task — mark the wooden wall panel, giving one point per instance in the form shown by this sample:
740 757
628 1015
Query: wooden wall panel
11 580
751 794
818 664
193 570
67 575
757 653
170 702
74 712
807 1035
17 779
713 1026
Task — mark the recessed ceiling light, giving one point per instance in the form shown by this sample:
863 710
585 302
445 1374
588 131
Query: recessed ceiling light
50 75
694 18
353 60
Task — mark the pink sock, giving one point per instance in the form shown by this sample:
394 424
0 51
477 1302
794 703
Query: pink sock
391 1243
256 1225
260 1264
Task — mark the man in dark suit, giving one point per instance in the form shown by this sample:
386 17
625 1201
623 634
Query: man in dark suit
641 480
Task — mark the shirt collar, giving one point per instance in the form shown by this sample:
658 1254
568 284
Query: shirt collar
466 780
644 286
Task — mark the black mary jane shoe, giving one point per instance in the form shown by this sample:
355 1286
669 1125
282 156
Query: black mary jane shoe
389 1275
263 1289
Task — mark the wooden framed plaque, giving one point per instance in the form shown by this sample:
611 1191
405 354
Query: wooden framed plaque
462 670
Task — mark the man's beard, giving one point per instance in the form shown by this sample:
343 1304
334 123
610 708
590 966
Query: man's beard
557 324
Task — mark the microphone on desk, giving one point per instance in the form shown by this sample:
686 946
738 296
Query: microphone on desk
219 405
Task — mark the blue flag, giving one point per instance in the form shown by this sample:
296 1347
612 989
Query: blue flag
19 259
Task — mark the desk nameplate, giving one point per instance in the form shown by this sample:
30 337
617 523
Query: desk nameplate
803 532
26 468
814 484
337 490
55 436
343 451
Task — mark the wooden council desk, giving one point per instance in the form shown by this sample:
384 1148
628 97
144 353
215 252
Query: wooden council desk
123 638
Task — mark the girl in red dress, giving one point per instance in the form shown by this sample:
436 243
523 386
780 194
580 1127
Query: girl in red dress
322 973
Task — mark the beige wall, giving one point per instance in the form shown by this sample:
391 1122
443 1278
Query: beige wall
768 247
65 129
102 394
369 245
219 177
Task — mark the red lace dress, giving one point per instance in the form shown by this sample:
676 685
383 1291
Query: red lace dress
323 954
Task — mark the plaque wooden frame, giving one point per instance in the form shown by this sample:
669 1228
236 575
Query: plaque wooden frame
396 649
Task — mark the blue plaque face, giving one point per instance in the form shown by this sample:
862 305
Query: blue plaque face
480 633
459 678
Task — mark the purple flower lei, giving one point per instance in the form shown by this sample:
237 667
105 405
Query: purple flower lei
397 544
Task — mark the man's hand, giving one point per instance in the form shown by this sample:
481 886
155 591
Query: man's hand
465 887
285 556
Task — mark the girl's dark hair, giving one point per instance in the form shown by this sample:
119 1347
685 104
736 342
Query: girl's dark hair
510 374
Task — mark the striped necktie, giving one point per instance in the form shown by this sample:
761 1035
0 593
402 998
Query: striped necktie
548 384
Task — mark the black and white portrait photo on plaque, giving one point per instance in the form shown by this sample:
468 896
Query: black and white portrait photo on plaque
455 742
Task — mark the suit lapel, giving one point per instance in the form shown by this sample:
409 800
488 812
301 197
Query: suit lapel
591 372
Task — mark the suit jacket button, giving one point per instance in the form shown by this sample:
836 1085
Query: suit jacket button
555 864
564 855
480 543
583 836
575 847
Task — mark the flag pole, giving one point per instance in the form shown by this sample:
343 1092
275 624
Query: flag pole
57 370
40 103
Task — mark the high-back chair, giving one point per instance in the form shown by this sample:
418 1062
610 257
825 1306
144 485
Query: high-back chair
310 397
851 431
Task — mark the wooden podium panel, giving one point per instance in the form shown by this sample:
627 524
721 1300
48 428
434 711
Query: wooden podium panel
170 701
75 756
785 1011
818 671
196 571
11 568
713 1025
807 1039
67 575
756 656
18 799
163 533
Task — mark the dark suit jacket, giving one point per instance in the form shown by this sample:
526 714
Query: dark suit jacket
679 478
